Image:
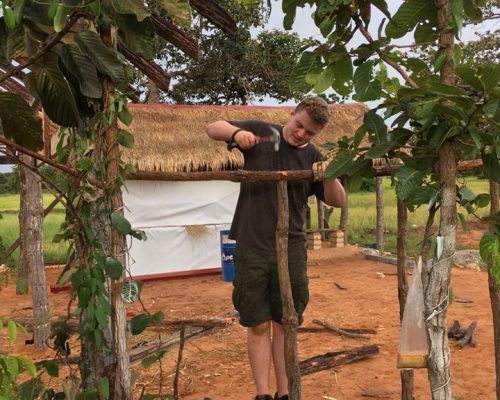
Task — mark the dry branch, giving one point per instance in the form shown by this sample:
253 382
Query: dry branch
339 331
333 359
315 329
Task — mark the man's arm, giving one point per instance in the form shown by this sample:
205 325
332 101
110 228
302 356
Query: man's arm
333 190
224 131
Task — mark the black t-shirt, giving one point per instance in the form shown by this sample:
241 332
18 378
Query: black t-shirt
256 215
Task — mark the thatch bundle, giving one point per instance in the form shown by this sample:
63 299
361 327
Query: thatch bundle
171 138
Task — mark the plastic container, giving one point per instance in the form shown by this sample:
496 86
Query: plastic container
227 247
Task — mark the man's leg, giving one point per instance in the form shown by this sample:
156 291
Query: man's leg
259 354
279 359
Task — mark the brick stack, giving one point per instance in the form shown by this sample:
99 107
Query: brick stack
337 238
313 240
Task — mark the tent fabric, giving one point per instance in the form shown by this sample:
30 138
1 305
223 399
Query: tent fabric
156 204
182 222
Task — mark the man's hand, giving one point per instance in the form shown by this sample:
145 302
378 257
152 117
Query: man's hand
246 140
319 169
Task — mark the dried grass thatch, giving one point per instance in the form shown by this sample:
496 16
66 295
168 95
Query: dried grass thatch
171 138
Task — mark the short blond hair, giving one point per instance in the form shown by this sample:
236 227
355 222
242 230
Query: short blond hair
317 109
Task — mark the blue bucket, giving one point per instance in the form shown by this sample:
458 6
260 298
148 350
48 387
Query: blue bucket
227 253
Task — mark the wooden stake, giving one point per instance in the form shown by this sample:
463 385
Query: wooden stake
290 322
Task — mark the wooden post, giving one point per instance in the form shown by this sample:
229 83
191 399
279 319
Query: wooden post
321 217
344 211
379 195
290 321
406 375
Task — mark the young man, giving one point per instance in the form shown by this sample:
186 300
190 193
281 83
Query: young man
256 293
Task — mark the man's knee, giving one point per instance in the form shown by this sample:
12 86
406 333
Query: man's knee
261 329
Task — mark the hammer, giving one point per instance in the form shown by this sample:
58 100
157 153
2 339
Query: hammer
273 138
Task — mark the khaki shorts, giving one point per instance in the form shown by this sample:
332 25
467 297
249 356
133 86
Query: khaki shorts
256 292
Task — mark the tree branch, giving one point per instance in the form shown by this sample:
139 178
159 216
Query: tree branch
47 160
394 65
47 47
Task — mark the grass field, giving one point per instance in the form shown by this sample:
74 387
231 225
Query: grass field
361 228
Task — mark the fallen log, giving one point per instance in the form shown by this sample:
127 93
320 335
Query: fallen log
333 359
339 331
315 329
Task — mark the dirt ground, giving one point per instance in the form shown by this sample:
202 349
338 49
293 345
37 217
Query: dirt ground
215 366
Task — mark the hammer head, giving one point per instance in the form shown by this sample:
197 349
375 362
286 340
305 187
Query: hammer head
273 138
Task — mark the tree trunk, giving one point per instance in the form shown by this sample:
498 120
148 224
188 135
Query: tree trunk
32 251
379 194
437 280
494 289
344 211
290 321
406 375
22 280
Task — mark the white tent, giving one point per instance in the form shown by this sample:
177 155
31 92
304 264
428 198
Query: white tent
182 222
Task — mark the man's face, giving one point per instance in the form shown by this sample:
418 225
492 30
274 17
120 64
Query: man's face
300 129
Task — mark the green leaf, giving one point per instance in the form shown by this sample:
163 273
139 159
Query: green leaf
148 361
457 13
120 223
417 65
125 138
113 268
466 194
19 123
366 88
178 10
83 69
408 180
425 33
102 56
375 125
449 110
132 7
482 200
84 295
9 17
490 76
307 63
469 76
324 80
51 367
342 73
125 116
339 165
491 166
408 15
12 331
476 136
27 364
439 61
489 245
138 36
158 317
419 110
60 17
380 149
30 389
359 135
138 323
472 11
101 317
95 8
47 83
53 8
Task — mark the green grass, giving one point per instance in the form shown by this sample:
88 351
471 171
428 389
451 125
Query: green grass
362 216
54 253
361 229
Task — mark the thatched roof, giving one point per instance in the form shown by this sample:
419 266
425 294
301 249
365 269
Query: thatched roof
171 138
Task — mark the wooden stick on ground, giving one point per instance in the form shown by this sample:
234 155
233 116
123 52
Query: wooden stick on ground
333 359
339 331
179 360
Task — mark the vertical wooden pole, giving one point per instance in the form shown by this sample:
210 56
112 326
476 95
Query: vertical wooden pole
321 218
290 320
344 211
406 375
379 194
